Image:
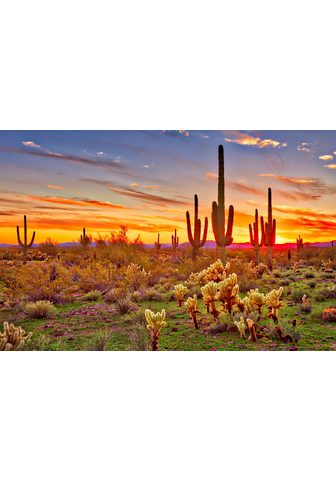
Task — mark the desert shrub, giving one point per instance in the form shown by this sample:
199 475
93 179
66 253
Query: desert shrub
99 341
92 296
136 276
125 305
40 309
147 294
298 294
96 276
39 343
306 307
311 284
325 294
139 339
309 275
329 314
284 282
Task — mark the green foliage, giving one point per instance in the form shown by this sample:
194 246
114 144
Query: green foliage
40 309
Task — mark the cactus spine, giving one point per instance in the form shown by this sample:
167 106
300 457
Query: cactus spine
84 239
195 240
175 241
254 237
268 230
222 238
24 244
158 244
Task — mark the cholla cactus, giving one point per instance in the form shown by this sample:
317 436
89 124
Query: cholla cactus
180 292
241 327
13 338
274 303
210 295
155 323
257 299
192 307
252 326
228 292
216 272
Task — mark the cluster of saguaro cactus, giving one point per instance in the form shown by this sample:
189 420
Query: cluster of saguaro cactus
195 239
299 244
25 245
254 237
84 240
180 292
192 307
175 241
155 323
223 237
268 230
157 243
13 338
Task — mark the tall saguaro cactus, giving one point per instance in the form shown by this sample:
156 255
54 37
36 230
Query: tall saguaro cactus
24 244
223 238
195 240
84 240
269 230
175 241
254 237
158 244
299 244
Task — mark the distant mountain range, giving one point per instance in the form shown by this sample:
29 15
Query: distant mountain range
208 244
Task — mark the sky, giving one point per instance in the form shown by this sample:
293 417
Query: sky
66 180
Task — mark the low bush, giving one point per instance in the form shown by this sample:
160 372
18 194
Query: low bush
40 309
92 296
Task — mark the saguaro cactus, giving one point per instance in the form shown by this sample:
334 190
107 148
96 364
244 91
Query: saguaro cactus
268 230
299 244
175 241
84 240
254 237
24 244
195 240
158 244
222 238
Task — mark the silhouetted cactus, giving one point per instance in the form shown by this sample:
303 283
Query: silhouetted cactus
24 244
268 230
84 240
175 241
195 240
299 244
254 237
158 244
222 238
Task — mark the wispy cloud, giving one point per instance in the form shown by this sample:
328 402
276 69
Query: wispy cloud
83 202
325 158
309 187
249 140
146 187
332 166
31 144
55 187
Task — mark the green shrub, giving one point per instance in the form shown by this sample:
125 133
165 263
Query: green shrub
40 309
99 341
92 296
325 294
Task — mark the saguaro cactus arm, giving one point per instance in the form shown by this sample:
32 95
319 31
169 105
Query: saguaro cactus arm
195 239
254 232
175 240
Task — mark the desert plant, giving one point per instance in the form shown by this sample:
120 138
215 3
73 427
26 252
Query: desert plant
274 303
210 295
92 296
84 240
268 230
228 293
25 245
157 244
175 241
195 240
254 237
180 292
241 325
125 305
155 323
192 307
13 338
99 341
223 238
40 309
329 314
258 300
299 244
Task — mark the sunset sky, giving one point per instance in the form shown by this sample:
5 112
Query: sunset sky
65 180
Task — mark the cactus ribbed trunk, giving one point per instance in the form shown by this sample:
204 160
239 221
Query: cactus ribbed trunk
269 231
195 239
223 238
24 244
270 257
257 254
154 340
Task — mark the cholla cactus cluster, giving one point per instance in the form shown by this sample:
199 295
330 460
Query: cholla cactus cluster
210 295
241 325
192 307
229 293
180 293
216 272
257 300
155 323
13 338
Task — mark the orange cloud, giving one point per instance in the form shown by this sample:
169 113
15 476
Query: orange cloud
326 157
252 141
55 187
332 166
290 180
74 201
